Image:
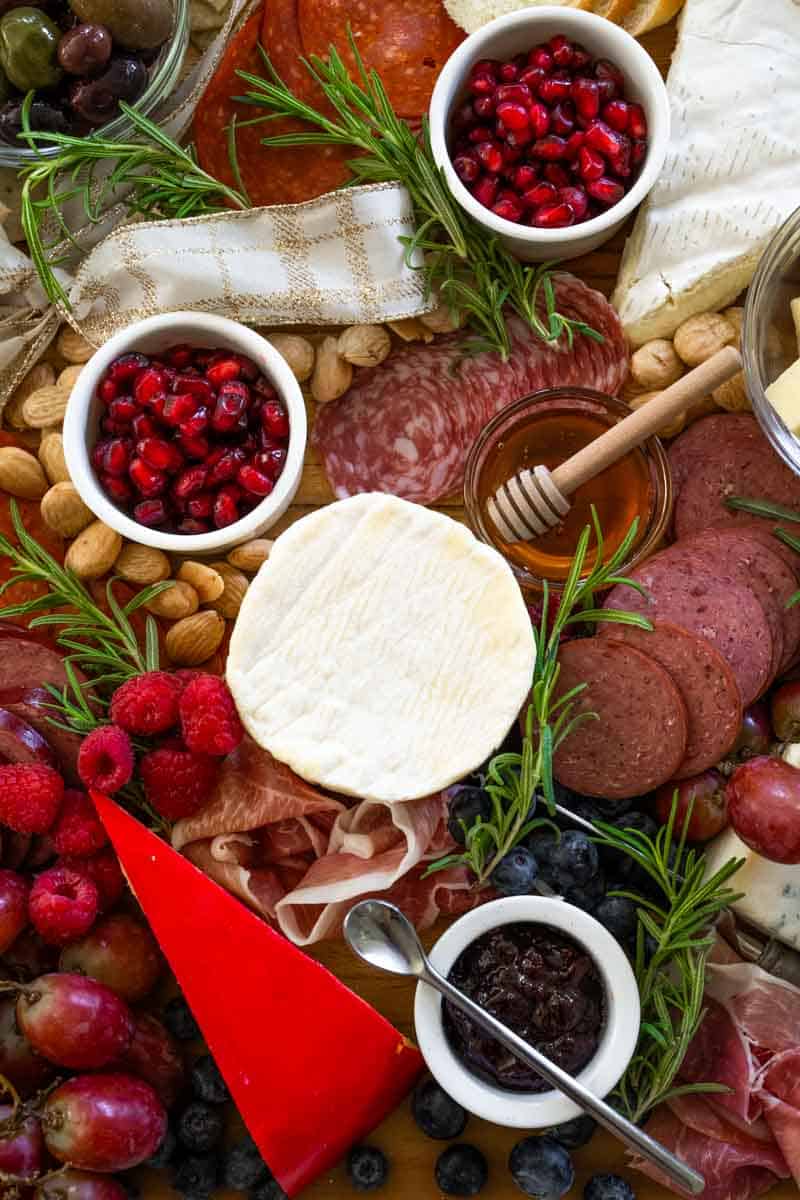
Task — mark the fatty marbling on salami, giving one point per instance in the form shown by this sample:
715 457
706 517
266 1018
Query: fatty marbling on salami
406 426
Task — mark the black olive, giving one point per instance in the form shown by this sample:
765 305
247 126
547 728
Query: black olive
85 50
97 100
43 116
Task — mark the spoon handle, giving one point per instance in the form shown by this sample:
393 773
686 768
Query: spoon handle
633 1137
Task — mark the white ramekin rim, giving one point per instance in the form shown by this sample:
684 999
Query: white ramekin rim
617 1043
178 327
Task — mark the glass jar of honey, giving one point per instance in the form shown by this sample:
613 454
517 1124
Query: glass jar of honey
547 428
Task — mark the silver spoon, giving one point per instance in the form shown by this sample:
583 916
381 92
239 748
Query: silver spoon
380 934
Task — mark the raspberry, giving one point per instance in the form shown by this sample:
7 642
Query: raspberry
177 782
105 759
105 873
148 704
63 905
209 720
30 796
78 829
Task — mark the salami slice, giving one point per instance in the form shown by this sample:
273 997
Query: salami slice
691 449
406 41
725 611
639 738
280 33
706 683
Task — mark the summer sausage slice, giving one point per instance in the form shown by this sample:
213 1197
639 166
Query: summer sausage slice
638 740
705 681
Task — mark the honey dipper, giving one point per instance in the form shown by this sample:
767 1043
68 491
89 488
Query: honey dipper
536 500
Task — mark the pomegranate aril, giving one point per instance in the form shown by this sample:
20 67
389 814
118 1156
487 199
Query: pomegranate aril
556 175
462 118
484 106
518 139
539 117
490 156
231 406
580 58
271 462
178 409
195 447
553 216
511 156
108 390
485 66
191 525
116 456
150 512
479 133
620 163
201 505
524 177
507 206
555 87
616 114
97 454
148 384
223 371
113 428
143 426
542 57
249 370
123 410
541 193
532 77
574 143
147 481
274 420
254 481
550 148
591 165
605 69
586 95
226 509
194 385
127 367
180 356
264 388
637 121
190 482
606 191
466 167
513 115
577 199
562 51
159 454
608 90
196 424
118 489
482 85
226 467
500 129
604 139
513 93
638 151
562 120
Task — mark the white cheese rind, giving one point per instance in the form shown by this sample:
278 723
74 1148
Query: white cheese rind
772 890
381 651
730 177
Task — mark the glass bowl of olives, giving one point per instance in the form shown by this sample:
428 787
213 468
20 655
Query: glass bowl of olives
79 59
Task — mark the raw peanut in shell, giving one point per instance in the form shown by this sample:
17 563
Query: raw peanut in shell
64 511
51 456
72 346
45 407
701 336
42 375
236 584
365 345
207 582
297 351
142 564
655 365
175 602
250 555
21 474
94 551
332 374
193 640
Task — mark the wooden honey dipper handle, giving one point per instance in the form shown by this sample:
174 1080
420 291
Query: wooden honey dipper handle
634 429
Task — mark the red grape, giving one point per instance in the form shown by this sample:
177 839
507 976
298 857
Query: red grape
107 1122
120 952
755 734
784 707
13 907
74 1021
709 811
21 1152
30 956
80 1185
154 1056
764 807
19 1062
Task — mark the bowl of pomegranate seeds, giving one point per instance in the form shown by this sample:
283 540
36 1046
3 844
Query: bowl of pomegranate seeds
187 432
551 126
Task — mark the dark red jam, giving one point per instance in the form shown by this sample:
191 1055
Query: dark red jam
539 982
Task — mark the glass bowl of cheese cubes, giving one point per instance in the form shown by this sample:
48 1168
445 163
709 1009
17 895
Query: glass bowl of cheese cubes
771 342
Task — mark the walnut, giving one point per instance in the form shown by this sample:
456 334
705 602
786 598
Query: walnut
656 365
701 336
732 394
297 351
676 424
411 329
332 374
365 345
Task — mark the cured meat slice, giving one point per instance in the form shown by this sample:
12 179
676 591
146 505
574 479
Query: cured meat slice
406 426
34 706
280 35
406 41
723 610
720 1052
706 684
638 738
779 1090
690 449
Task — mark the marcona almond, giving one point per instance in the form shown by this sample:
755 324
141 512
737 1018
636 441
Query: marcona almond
250 555
40 376
94 551
21 474
51 456
72 346
365 345
411 329
194 639
45 407
236 584
174 602
64 511
697 338
207 582
142 564
69 377
675 425
332 374
297 351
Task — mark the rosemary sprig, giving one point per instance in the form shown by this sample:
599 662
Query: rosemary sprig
515 781
475 275
671 978
162 179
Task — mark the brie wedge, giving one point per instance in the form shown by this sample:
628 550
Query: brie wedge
772 890
731 174
381 651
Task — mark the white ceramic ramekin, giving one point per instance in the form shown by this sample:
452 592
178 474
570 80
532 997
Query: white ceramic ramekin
523 1110
150 337
519 32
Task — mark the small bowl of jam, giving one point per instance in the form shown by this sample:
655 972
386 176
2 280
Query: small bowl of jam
547 428
556 977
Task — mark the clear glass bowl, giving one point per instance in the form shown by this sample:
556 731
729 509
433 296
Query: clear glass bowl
163 75
769 340
481 478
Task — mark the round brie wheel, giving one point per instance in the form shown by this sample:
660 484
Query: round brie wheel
381 650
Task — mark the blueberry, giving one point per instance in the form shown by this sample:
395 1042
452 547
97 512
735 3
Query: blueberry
466 804
243 1167
165 1152
200 1127
640 821
544 847
268 1189
207 1082
618 914
541 1167
588 895
196 1176
179 1020
514 875
436 1113
575 1133
608 1187
461 1170
576 860
368 1168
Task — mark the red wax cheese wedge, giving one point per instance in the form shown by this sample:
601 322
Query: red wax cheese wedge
311 1067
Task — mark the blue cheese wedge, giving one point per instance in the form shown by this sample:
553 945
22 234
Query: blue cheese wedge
784 396
772 890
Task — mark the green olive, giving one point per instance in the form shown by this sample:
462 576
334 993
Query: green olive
5 86
28 48
134 24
